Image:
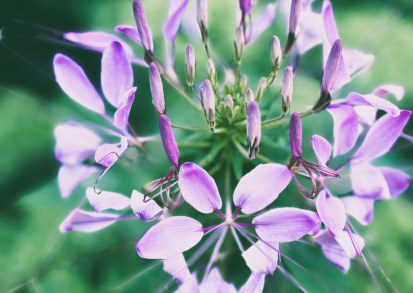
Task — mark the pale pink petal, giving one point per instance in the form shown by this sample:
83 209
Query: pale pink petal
367 114
146 211
368 181
254 284
397 180
352 244
310 32
262 257
322 149
215 283
83 221
372 100
175 13
332 250
129 31
331 211
356 61
107 154
105 200
70 176
176 266
359 208
261 23
121 117
190 286
389 89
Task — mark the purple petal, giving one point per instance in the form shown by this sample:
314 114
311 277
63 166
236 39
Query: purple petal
356 61
146 211
74 82
198 188
176 266
351 244
381 136
345 128
175 13
107 154
117 74
311 30
331 212
168 139
333 251
145 34
397 180
335 74
74 143
286 224
254 284
190 286
83 221
155 82
245 6
384 90
129 32
372 100
359 208
70 176
261 23
329 21
121 117
169 237
296 135
105 200
322 149
262 257
368 181
367 114
215 283
260 187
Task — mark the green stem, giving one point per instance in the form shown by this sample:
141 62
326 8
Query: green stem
188 128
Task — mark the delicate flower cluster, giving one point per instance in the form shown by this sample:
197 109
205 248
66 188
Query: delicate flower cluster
234 121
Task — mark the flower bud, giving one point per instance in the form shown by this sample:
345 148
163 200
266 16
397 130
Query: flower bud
296 135
276 54
229 102
331 68
243 84
212 73
239 44
245 6
249 96
144 31
190 65
262 86
156 86
287 88
202 15
253 129
295 12
208 102
168 139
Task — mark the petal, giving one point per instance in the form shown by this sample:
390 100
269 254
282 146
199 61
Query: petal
351 244
130 32
384 90
74 82
107 154
359 208
146 211
357 99
329 22
260 187
105 200
74 143
169 237
83 221
368 181
175 13
367 114
345 128
286 224
262 257
311 31
331 212
262 22
198 188
322 149
381 136
190 286
117 74
333 252
254 284
356 61
121 117
215 283
397 180
176 266
70 176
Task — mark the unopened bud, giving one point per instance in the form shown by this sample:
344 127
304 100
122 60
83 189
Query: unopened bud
243 84
276 54
287 88
253 129
332 67
249 96
296 135
229 102
208 102
295 12
239 44
142 26
245 6
168 139
202 18
190 65
212 73
262 86
156 86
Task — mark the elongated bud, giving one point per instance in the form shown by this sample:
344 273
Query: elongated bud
156 86
243 84
168 139
296 135
295 12
144 31
332 66
262 86
212 73
287 88
208 102
239 44
253 129
245 6
276 54
249 96
229 102
202 18
190 65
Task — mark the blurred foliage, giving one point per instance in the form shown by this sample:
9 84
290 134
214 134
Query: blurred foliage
36 257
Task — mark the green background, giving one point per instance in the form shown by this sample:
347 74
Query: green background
34 256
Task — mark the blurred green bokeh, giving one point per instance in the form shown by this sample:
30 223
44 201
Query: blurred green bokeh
36 257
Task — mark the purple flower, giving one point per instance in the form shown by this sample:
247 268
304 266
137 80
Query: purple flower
145 34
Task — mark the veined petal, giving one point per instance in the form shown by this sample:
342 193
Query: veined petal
356 61
345 128
322 149
198 188
384 90
70 176
107 154
262 22
105 200
262 257
381 136
286 224
169 237
176 266
215 283
397 180
351 244
74 82
191 285
372 100
329 21
83 221
311 31
331 211
333 252
121 117
254 284
359 208
366 114
368 181
117 74
261 186
129 32
146 211
175 13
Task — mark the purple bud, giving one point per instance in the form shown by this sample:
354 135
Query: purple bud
276 54
295 11
262 86
296 135
253 128
332 67
202 14
245 6
144 31
155 81
229 102
208 102
168 139
287 87
249 96
190 65
212 73
239 44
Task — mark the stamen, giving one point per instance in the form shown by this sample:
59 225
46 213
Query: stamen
215 252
